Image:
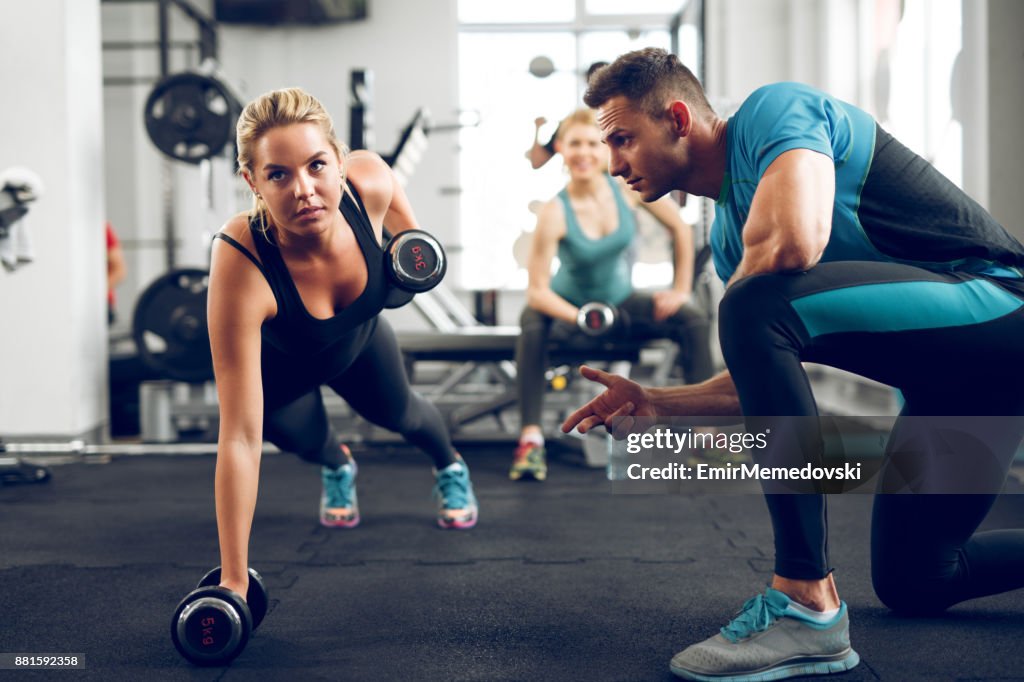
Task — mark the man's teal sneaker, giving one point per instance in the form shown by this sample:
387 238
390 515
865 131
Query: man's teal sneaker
770 639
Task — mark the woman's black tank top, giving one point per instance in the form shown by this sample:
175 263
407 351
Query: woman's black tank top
294 331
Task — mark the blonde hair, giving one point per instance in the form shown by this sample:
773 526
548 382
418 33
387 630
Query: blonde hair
578 117
271 110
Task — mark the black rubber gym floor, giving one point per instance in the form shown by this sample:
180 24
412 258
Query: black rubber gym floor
559 581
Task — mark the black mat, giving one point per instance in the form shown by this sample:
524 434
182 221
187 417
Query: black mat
560 580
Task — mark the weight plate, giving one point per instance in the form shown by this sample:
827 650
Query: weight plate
169 327
256 597
211 626
190 117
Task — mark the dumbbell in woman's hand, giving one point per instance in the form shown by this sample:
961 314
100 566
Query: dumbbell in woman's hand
212 624
601 319
414 262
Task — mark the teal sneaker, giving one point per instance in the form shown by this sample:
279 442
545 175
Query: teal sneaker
456 502
339 504
770 640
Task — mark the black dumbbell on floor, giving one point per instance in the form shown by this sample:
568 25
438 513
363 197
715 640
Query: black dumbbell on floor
601 319
212 624
414 262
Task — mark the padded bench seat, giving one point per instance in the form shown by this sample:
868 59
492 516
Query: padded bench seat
494 346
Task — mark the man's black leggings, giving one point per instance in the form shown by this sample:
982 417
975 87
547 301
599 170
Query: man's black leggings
689 328
952 344
374 385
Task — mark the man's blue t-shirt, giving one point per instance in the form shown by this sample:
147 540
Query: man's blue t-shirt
890 204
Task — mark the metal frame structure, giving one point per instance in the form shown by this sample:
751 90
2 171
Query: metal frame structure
206 42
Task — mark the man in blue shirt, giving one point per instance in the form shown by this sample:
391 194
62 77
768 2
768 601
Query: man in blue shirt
839 246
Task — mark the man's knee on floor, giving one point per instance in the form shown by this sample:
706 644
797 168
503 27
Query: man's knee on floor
911 589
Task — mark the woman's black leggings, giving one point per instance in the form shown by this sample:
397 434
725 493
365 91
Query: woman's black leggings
952 344
374 385
689 328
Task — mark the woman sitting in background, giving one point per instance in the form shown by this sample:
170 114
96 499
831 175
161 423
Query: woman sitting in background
591 227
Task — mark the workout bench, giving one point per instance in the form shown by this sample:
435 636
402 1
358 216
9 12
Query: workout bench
492 349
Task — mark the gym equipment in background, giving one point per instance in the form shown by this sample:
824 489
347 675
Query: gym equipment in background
169 326
191 117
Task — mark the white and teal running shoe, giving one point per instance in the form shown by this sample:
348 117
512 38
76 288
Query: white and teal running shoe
771 638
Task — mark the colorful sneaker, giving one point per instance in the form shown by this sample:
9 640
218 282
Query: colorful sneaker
530 461
770 639
456 503
339 504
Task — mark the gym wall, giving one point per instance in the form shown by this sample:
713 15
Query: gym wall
992 99
53 344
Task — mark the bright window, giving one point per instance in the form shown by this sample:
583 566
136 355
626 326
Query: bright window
497 42
606 45
498 185
915 58
634 6
521 11
496 179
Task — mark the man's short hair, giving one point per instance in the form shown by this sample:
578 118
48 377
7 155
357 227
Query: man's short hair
650 78
592 69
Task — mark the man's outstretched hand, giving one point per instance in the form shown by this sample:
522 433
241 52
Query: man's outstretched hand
624 398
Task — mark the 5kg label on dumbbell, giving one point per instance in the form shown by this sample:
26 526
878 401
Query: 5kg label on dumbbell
208 624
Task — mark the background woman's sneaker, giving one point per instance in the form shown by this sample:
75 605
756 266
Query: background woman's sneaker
530 461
